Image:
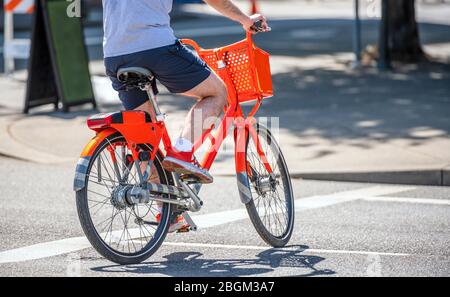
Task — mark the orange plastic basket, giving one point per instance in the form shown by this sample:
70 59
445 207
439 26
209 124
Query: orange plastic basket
243 67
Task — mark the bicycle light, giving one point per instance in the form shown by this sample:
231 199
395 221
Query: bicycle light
100 121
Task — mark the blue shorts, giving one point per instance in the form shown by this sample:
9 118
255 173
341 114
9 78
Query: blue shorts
175 66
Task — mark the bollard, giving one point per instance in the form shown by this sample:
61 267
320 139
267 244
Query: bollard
357 37
254 8
383 41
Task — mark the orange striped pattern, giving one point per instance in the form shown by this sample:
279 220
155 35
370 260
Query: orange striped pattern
11 5
19 6
30 9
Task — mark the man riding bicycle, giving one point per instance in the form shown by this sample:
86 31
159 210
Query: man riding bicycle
127 200
137 33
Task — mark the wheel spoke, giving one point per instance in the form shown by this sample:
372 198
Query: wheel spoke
272 208
115 220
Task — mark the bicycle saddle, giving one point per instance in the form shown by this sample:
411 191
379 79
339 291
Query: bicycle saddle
135 77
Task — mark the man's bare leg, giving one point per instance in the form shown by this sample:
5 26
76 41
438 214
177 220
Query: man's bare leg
212 97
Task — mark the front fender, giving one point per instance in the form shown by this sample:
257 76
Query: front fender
82 165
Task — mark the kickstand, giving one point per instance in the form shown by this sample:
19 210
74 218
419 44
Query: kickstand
189 220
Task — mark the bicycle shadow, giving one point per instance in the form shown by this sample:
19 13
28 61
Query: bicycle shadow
190 264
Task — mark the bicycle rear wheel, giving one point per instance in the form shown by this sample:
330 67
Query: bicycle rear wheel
121 232
271 208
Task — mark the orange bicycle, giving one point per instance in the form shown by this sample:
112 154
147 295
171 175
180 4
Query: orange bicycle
126 200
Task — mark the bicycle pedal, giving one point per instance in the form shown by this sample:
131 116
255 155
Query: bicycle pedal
184 229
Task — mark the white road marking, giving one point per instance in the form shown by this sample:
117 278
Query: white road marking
69 245
332 199
228 216
408 200
44 250
219 218
263 248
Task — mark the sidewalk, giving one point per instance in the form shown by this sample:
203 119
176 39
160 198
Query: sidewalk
335 123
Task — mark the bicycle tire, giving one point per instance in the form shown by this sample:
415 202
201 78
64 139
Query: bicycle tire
267 235
90 230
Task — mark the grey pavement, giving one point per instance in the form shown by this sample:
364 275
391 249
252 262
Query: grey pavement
404 232
335 123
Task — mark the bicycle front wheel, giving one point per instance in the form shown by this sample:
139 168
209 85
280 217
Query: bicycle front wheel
271 208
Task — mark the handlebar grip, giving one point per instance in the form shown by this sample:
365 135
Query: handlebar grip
257 26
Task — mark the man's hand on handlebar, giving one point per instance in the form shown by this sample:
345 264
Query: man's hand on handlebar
255 24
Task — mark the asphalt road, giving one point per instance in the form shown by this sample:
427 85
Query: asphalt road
341 229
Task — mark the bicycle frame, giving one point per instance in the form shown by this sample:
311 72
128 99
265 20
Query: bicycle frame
244 124
135 127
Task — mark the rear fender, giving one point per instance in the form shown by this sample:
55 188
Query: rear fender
82 165
133 133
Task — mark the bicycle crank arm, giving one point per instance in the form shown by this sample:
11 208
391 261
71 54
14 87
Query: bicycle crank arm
136 195
185 204
130 195
189 220
166 189
198 203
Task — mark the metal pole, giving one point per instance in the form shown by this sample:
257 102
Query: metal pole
383 42
357 36
8 38
254 7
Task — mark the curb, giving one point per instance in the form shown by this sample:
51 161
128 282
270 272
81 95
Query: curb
424 177
446 176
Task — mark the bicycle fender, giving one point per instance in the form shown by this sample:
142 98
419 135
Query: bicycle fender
240 138
244 187
82 165
79 181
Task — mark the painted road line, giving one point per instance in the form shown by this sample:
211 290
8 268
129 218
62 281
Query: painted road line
69 245
44 250
408 200
288 249
346 196
229 216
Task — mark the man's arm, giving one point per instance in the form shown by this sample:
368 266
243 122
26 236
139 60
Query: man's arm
230 10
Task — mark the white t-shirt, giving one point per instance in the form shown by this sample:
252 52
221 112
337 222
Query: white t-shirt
136 25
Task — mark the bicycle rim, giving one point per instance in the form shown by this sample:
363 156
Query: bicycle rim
272 207
123 231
